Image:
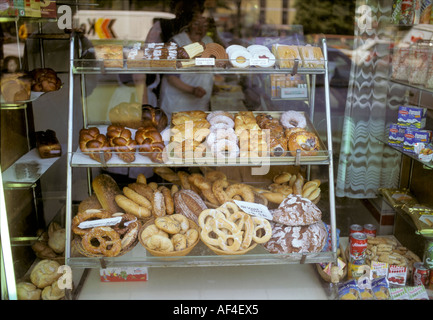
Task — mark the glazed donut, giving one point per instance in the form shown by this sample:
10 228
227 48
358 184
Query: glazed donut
218 187
291 118
219 113
131 207
107 240
89 214
222 119
305 141
219 134
261 224
168 199
222 146
242 190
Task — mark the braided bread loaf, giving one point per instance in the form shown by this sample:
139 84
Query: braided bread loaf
150 143
121 141
94 144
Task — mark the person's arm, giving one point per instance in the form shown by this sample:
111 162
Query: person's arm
176 82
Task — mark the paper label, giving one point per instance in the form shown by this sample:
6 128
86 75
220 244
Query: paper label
259 62
99 223
204 61
254 209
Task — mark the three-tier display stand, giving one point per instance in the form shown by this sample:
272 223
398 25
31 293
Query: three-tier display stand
200 255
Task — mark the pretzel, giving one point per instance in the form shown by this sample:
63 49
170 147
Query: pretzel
126 224
241 190
261 224
108 240
223 238
90 214
218 190
209 213
245 223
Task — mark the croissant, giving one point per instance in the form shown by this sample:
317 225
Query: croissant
121 141
94 144
150 143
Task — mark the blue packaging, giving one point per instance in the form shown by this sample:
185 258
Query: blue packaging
413 136
396 135
410 116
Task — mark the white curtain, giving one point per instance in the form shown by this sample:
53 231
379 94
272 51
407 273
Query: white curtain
366 163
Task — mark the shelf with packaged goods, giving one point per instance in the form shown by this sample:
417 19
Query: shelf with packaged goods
93 66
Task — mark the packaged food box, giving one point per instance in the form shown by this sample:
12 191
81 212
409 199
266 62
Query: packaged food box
410 116
413 136
396 135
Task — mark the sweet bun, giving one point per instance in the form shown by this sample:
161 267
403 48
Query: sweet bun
305 141
296 211
45 273
28 291
154 116
297 239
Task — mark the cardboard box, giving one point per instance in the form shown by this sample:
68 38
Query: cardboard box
123 274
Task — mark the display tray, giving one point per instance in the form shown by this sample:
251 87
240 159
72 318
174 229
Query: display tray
34 95
201 255
174 158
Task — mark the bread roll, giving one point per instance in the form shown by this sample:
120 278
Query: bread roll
57 241
53 292
296 211
28 291
45 273
297 239
106 189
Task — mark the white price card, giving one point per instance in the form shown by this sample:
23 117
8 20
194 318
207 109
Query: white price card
99 223
261 62
204 61
254 209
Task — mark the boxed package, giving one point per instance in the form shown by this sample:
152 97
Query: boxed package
413 136
396 135
411 116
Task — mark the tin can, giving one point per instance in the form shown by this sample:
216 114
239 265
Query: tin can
358 246
420 275
428 254
355 228
369 230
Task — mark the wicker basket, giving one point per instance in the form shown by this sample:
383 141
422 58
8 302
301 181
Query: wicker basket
326 276
220 252
180 253
78 246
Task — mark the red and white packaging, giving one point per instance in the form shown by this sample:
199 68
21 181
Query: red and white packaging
397 275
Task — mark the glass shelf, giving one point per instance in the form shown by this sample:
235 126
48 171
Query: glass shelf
93 66
413 86
427 165
200 256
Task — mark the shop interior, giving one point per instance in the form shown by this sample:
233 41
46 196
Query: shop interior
353 102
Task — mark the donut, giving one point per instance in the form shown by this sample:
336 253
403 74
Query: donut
242 190
222 146
291 118
217 135
305 141
217 51
222 119
219 113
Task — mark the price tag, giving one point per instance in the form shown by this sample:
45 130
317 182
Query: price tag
204 61
99 223
261 62
254 209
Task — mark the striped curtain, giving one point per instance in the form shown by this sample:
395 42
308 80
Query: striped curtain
366 163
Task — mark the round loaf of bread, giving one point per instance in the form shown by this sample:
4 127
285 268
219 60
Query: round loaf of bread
189 203
296 211
28 291
297 239
45 273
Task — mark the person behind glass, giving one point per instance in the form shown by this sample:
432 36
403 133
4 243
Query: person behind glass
186 91
161 32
